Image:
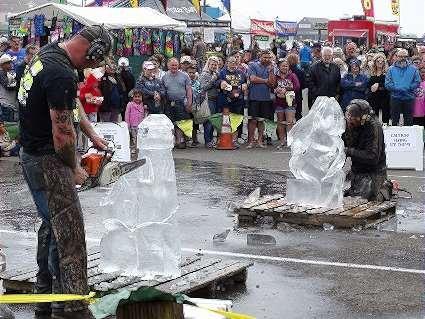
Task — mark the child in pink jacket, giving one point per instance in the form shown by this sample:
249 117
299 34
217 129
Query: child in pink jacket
134 114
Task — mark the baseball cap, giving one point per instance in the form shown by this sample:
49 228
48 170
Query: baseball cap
123 61
186 59
148 65
3 40
5 58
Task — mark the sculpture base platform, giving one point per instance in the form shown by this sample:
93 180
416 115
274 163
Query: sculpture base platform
355 212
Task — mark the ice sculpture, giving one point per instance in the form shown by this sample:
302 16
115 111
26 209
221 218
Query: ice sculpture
318 156
142 236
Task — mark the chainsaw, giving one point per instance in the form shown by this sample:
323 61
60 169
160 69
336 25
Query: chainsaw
102 171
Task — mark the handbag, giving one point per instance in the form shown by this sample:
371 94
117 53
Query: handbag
202 112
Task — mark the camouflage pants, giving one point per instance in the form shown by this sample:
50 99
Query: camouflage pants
61 251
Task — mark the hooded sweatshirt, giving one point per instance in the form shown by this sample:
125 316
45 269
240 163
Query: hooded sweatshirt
90 87
402 81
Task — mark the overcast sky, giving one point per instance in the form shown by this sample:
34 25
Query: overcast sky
412 11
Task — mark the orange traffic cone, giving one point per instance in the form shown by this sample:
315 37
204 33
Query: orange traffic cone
225 141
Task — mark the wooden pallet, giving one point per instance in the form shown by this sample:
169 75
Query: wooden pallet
355 211
198 274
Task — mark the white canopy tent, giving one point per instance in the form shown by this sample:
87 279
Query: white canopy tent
111 18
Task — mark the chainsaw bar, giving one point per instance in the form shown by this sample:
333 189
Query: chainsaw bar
110 173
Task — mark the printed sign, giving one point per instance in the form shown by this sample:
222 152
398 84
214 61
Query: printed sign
404 146
285 28
118 135
261 27
209 35
400 141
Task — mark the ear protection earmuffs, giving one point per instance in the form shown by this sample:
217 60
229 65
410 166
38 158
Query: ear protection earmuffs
98 47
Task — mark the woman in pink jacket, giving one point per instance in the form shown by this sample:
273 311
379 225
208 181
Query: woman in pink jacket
419 109
134 114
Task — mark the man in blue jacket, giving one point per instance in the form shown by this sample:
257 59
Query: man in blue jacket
305 56
402 80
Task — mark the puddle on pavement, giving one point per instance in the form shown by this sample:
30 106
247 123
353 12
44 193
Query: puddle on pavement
220 186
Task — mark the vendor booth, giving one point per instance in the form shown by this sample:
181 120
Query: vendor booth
362 32
138 32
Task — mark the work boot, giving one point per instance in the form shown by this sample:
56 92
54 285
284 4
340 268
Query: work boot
82 314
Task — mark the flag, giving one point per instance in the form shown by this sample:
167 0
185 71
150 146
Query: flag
186 126
395 7
368 8
134 3
226 4
197 5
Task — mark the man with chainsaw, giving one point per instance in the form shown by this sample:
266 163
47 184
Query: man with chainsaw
364 141
47 98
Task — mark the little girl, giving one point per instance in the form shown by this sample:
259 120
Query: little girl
134 114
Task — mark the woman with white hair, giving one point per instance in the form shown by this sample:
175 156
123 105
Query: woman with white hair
152 88
379 97
208 80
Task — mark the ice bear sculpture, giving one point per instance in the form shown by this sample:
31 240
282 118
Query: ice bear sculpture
318 156
142 236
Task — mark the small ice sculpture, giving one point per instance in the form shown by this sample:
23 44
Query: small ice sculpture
318 156
142 236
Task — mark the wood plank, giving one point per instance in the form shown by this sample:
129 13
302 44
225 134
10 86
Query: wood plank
284 208
92 262
262 200
357 209
122 283
18 286
349 203
270 205
200 279
372 224
377 209
106 278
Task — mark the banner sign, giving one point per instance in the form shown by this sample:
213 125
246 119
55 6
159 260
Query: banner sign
368 8
261 27
285 28
261 38
395 7
320 26
226 4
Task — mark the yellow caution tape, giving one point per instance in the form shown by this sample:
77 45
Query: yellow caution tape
229 314
38 298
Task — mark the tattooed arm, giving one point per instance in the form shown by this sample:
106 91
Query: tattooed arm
64 137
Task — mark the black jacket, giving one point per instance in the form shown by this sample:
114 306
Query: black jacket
324 81
366 147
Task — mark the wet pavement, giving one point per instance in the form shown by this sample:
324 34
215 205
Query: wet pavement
277 286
